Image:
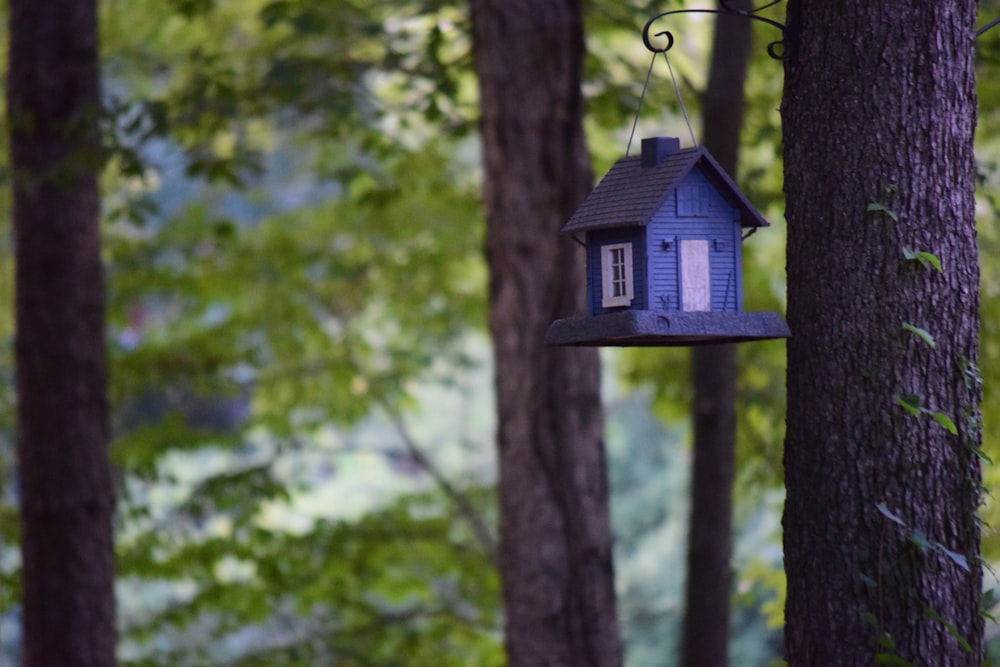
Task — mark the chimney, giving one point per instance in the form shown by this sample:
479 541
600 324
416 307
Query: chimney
656 149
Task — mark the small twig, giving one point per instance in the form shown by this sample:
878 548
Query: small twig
462 502
464 506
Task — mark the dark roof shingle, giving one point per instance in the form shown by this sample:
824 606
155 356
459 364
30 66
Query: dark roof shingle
629 194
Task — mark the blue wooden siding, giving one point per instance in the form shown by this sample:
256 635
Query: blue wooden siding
602 237
713 219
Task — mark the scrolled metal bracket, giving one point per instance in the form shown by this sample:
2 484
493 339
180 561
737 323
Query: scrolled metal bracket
986 28
775 49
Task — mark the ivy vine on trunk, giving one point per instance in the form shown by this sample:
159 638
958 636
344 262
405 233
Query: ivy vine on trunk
881 465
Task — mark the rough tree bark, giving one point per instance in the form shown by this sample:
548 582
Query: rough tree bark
878 116
705 634
555 538
66 497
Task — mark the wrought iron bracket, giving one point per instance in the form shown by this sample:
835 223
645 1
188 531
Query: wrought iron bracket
986 28
775 49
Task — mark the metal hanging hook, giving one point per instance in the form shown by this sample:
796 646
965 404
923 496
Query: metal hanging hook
775 49
986 28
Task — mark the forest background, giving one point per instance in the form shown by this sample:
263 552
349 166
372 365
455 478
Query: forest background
303 428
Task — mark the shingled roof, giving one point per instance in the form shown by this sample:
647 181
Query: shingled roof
630 194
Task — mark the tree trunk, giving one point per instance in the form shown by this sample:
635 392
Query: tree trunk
555 538
705 637
66 496
878 114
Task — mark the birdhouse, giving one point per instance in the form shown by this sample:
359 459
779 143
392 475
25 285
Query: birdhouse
664 235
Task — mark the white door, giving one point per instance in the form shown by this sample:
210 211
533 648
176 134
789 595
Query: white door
696 284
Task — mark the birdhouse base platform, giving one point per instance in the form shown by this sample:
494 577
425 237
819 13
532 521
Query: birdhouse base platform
666 329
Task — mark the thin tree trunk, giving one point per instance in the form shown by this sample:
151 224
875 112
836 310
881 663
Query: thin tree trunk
878 112
555 538
708 593
66 497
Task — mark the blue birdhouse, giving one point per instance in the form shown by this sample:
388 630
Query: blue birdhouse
664 234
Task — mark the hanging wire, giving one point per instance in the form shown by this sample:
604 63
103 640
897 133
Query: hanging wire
680 99
642 98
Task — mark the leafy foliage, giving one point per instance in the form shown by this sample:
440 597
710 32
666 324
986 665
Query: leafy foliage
287 249
399 581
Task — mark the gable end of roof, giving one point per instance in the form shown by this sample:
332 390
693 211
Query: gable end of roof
630 194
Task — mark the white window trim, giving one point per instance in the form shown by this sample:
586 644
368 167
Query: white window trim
608 298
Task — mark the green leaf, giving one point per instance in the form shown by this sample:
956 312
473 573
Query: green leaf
911 403
883 658
882 208
945 421
981 454
888 514
923 333
924 257
957 558
952 630
987 602
970 371
918 538
933 259
914 405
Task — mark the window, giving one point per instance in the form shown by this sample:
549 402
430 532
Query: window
616 272
692 200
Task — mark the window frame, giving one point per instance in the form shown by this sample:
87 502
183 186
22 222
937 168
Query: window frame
609 299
